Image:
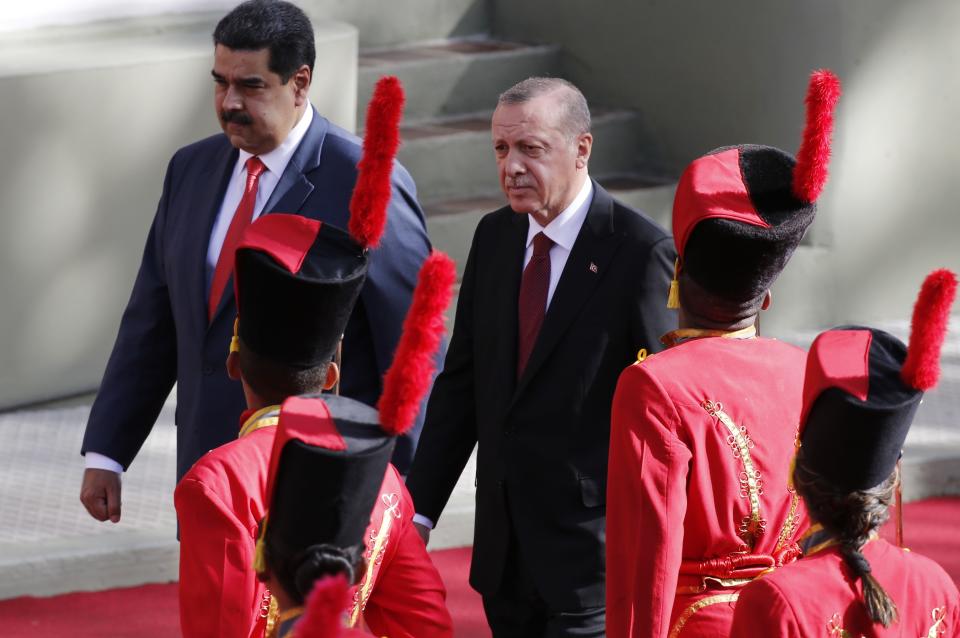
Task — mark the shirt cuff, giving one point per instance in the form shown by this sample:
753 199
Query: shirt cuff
423 520
100 462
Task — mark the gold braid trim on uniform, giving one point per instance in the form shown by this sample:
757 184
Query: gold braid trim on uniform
939 616
273 618
790 524
375 555
697 606
259 420
751 485
674 337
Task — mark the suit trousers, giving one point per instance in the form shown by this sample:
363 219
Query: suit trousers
517 610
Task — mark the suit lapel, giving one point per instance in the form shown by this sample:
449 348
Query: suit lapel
293 188
585 267
509 269
207 202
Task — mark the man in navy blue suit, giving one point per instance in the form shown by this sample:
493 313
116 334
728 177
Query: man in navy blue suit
277 154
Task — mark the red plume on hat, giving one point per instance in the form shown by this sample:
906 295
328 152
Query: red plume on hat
325 606
371 195
813 158
928 328
414 361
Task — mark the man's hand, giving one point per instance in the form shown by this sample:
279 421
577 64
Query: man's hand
100 494
423 531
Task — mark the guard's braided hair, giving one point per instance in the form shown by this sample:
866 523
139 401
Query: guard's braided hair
298 573
851 517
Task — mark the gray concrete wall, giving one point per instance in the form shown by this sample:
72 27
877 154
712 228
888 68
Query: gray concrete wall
709 74
91 115
389 22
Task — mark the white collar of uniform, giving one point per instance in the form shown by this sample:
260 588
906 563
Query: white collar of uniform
276 160
565 227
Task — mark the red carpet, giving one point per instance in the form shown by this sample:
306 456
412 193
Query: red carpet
150 611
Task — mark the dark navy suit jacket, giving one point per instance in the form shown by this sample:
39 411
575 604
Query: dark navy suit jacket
165 337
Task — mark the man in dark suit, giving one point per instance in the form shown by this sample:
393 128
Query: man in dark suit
561 290
277 154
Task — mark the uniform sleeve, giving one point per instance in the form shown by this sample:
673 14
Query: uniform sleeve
762 610
218 587
646 503
143 365
409 599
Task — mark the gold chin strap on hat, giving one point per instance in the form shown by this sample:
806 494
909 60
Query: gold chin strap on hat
235 339
673 299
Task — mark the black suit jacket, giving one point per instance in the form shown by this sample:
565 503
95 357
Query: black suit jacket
164 334
542 455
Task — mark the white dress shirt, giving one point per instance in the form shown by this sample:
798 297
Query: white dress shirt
563 230
275 162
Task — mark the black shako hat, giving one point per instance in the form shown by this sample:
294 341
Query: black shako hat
329 458
740 211
862 389
297 281
330 453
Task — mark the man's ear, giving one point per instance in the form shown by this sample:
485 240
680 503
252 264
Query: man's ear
584 146
301 84
333 375
767 301
233 366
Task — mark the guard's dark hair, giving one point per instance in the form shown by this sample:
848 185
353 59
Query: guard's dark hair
274 382
851 517
576 115
298 575
279 26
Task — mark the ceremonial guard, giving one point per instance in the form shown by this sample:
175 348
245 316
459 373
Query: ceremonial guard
861 391
698 501
297 281
328 455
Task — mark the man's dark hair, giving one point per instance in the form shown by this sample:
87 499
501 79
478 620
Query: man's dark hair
279 26
274 381
851 518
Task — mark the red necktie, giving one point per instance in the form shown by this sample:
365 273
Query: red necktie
532 304
241 219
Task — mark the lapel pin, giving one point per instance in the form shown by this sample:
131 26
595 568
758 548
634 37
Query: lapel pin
593 267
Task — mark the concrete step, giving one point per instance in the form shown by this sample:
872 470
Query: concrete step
453 76
451 222
453 157
394 22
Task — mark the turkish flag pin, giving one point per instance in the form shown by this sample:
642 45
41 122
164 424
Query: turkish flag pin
593 268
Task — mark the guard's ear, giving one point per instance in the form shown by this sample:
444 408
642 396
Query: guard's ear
233 365
767 301
333 375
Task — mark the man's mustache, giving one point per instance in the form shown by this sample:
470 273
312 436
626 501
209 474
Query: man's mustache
235 117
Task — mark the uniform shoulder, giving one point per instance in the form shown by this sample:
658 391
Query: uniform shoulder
242 456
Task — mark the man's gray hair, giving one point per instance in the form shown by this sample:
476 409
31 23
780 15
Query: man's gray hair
576 113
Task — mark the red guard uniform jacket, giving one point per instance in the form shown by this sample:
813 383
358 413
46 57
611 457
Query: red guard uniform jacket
819 596
219 504
701 441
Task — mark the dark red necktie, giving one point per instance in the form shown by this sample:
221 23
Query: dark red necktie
532 304
241 219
